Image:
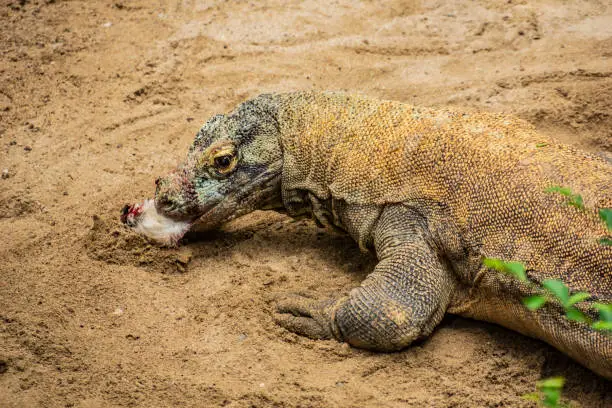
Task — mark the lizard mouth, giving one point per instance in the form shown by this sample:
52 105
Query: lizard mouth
180 215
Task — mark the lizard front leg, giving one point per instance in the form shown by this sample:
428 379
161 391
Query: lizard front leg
402 300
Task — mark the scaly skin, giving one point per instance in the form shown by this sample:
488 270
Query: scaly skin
433 192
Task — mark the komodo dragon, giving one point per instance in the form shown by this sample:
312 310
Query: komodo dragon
432 191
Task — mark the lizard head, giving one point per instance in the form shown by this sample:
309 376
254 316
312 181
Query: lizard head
232 168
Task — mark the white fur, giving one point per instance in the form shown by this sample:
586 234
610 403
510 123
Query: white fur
156 226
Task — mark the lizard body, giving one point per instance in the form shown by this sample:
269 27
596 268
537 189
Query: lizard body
432 192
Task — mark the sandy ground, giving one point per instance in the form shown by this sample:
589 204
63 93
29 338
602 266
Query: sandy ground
97 98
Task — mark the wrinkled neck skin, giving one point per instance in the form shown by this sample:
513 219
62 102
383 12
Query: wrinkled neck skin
204 191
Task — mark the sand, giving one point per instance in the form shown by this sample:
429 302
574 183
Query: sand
98 98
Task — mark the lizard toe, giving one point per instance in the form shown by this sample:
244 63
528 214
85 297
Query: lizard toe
304 326
305 316
297 306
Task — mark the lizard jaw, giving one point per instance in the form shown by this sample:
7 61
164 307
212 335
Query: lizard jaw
261 192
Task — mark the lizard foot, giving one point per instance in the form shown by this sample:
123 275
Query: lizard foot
307 317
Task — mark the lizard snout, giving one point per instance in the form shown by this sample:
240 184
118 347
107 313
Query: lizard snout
175 196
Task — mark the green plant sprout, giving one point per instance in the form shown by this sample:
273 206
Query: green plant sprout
605 317
605 214
548 392
516 269
573 199
554 290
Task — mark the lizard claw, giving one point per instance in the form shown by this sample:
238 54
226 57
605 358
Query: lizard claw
306 317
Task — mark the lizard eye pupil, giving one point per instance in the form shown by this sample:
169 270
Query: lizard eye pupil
223 161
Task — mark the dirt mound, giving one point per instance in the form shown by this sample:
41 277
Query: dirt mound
112 242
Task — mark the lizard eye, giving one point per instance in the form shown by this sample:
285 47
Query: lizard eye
221 158
223 162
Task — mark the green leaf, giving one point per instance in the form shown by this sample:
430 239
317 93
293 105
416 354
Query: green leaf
534 302
494 263
605 317
551 397
606 216
576 201
576 315
552 382
578 297
558 189
551 389
602 326
516 269
543 144
605 241
605 311
557 288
